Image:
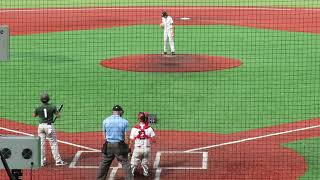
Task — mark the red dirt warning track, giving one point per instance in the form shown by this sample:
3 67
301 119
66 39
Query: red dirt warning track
169 63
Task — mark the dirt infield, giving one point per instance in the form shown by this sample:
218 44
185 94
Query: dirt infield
34 21
170 63
254 154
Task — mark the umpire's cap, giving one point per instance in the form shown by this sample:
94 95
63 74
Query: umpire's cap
44 97
117 108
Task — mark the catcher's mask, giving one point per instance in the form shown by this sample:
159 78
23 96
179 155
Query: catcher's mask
142 117
164 14
45 98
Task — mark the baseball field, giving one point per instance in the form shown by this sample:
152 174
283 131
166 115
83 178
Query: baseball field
239 100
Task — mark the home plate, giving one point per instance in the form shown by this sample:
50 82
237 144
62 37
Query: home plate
185 18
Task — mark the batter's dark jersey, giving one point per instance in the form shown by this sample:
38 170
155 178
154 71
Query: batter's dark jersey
46 113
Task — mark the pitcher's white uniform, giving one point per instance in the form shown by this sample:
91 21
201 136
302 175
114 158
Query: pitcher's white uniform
168 33
141 134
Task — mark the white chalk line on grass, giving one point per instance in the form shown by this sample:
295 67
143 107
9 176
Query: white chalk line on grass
252 138
155 7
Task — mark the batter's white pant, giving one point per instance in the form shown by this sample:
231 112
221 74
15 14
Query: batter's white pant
168 38
141 155
48 131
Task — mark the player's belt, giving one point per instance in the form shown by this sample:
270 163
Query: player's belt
116 142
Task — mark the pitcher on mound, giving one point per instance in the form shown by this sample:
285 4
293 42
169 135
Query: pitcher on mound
168 32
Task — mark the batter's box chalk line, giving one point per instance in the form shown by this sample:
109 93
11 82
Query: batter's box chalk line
77 157
158 168
156 164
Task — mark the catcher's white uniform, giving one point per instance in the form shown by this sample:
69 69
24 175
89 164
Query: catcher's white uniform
168 33
141 134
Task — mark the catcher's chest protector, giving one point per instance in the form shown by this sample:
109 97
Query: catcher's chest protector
142 133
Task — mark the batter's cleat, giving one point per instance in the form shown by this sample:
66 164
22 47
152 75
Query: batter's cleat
165 53
61 163
173 53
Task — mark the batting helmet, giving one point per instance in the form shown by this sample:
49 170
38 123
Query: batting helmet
45 98
164 14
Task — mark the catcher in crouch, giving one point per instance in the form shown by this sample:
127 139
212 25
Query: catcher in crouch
143 136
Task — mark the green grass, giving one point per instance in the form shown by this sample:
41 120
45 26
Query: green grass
277 83
309 149
96 3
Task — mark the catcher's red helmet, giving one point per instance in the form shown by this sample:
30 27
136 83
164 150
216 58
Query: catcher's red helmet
142 116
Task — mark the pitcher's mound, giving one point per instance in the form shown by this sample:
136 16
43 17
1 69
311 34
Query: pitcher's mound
171 63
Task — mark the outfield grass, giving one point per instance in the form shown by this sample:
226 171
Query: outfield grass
277 83
96 3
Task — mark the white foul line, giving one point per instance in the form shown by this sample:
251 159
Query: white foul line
252 138
205 155
63 142
77 155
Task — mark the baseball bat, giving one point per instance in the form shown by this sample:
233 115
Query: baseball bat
59 110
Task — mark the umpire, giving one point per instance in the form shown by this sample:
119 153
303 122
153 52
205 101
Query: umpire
116 143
